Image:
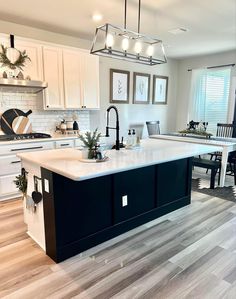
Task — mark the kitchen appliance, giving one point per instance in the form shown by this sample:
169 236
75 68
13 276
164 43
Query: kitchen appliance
22 86
8 117
24 136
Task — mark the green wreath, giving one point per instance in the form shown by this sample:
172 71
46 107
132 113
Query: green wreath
19 63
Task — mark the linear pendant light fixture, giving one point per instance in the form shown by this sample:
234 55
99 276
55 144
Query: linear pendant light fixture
121 43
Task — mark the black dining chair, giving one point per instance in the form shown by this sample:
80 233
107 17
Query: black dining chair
153 127
226 131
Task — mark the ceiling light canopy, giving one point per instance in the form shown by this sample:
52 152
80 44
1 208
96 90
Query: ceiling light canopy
97 17
121 43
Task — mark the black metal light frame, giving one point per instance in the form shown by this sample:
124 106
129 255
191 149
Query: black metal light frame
104 50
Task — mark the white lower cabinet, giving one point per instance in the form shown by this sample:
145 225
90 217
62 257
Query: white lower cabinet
8 187
64 144
10 164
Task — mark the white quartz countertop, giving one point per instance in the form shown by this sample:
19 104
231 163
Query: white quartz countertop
207 141
66 161
55 137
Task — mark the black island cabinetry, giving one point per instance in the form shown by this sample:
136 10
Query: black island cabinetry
81 214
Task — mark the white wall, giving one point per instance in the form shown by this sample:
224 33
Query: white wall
42 35
184 80
137 113
131 113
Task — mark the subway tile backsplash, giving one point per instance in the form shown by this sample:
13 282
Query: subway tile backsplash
42 121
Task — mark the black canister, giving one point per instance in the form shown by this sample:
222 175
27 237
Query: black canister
75 125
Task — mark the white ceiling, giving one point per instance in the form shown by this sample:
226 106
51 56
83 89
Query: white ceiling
211 23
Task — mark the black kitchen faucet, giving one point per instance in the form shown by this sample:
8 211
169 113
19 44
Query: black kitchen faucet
117 128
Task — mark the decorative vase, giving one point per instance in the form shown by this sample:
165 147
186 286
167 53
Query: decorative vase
87 153
90 153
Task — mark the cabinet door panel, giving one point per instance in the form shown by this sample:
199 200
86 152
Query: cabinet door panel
82 208
7 185
172 181
72 79
90 80
33 68
53 74
139 187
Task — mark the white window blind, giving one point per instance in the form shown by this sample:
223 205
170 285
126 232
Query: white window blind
209 99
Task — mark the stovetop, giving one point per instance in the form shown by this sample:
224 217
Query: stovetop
24 136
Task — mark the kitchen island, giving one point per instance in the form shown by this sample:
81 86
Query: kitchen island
85 204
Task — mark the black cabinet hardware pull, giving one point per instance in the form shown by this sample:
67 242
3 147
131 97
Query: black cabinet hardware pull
15 162
65 144
24 149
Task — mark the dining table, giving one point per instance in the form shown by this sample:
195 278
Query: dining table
227 145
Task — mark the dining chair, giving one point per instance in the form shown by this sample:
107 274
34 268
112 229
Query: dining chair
226 131
232 165
153 127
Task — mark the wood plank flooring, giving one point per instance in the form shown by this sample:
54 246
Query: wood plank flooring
190 253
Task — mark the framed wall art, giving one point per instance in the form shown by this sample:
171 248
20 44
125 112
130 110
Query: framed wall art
119 86
160 90
141 88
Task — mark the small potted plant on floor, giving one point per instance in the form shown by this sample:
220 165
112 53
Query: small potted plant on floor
21 183
90 140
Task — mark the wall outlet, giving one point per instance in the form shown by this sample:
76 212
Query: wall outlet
124 200
46 185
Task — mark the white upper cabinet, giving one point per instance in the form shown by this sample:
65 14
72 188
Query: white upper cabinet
53 75
72 79
72 74
90 81
33 68
81 79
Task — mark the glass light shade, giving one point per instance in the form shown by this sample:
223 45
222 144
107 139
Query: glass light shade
109 40
125 44
138 47
115 42
150 50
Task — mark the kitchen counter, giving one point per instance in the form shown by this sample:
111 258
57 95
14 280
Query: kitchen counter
55 137
85 204
66 161
226 146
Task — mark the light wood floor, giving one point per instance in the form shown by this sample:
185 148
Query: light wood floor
190 253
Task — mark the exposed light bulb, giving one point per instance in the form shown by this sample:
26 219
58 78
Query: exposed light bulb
138 47
109 40
125 44
150 50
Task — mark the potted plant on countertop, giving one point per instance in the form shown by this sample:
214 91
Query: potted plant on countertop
90 141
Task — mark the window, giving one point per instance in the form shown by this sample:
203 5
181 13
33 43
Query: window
209 99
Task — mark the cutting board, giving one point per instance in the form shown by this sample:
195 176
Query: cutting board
22 125
8 117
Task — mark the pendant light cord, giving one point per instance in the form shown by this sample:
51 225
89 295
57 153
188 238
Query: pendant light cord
125 14
139 15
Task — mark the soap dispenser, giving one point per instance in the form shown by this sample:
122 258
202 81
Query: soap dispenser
129 141
134 141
